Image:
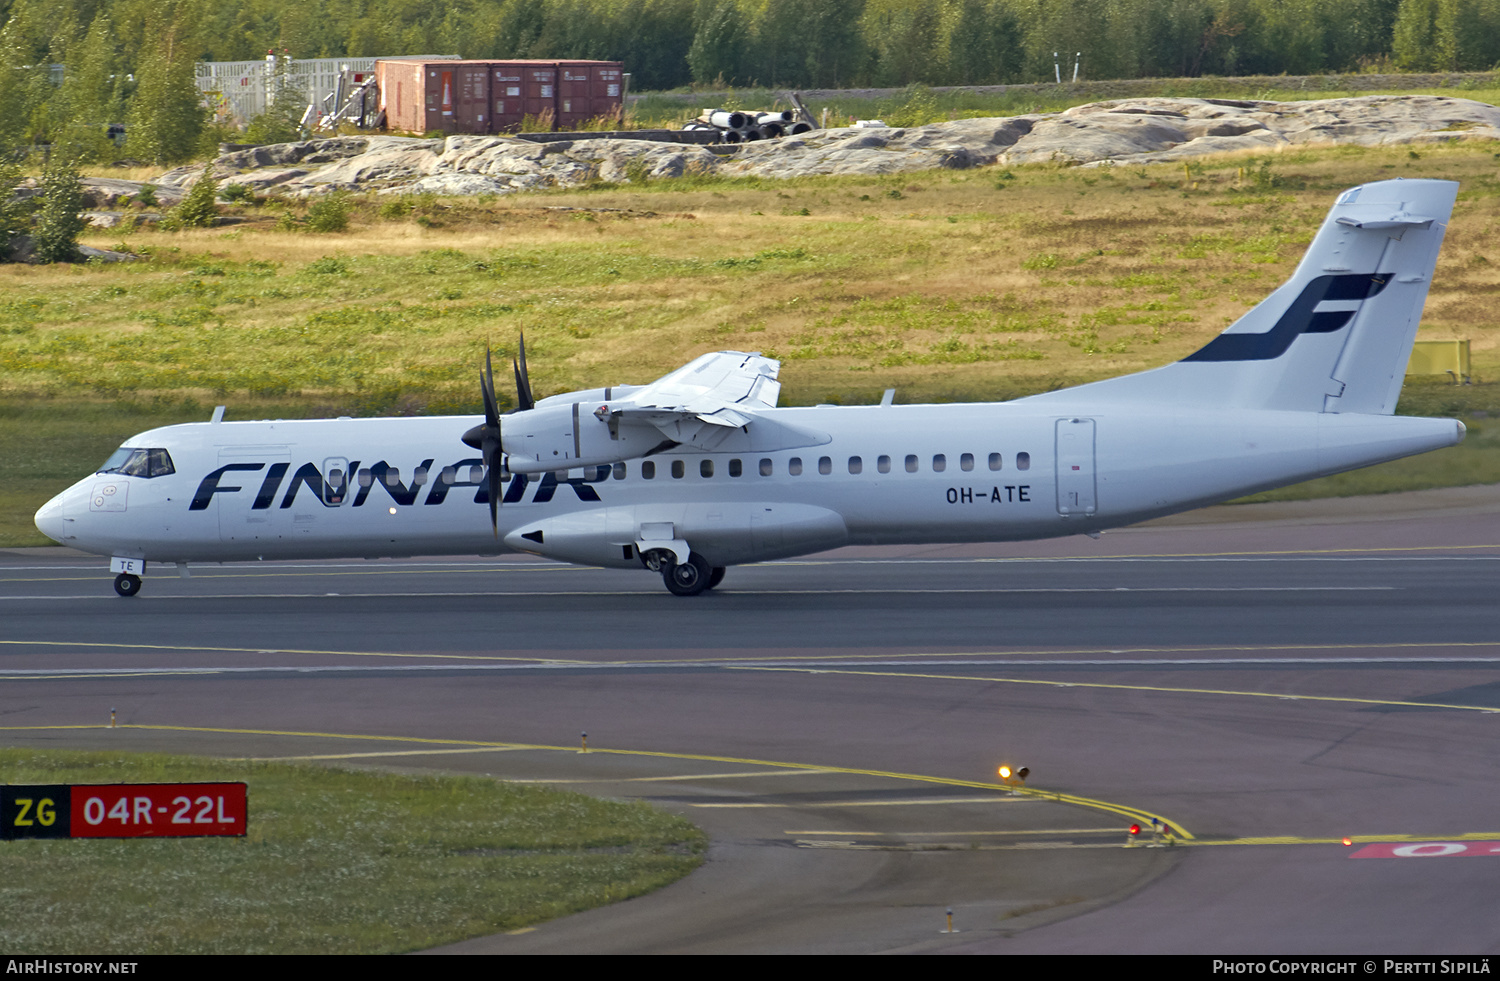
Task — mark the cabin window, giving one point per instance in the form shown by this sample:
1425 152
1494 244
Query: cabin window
939 463
765 468
856 465
476 474
911 463
735 468
883 464
794 466
419 477
996 460
448 475
1023 461
393 477
678 469
966 461
648 470
706 468
620 471
825 465
367 479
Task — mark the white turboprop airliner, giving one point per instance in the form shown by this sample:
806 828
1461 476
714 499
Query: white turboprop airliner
700 470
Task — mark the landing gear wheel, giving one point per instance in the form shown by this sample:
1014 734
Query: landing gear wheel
715 577
688 579
127 585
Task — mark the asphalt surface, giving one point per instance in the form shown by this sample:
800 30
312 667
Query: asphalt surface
1261 681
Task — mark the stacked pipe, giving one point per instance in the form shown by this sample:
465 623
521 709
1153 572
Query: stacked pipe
735 126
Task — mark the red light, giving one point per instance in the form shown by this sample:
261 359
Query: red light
1135 829
1348 841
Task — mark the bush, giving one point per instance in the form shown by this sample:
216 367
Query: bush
59 221
198 209
239 193
15 213
330 214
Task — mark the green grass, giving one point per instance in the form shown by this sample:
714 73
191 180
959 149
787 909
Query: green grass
335 862
972 285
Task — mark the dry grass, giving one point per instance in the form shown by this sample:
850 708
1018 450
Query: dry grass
945 285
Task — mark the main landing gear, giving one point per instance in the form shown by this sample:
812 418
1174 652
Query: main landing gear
684 578
127 585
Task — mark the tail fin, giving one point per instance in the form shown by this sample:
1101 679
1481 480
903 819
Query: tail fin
1335 337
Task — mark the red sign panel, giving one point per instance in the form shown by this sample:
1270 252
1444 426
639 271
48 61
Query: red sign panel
1428 849
158 810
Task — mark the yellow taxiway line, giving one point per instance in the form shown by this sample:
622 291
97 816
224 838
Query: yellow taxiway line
1133 813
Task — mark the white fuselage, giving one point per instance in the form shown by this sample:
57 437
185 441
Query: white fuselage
887 474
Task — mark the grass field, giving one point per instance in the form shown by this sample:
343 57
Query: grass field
335 862
948 285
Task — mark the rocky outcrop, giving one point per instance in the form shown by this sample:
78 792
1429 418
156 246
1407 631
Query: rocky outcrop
1144 130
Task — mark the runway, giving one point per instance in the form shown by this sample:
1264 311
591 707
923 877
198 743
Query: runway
1263 681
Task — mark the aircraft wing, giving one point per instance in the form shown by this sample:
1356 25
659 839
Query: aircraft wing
705 401
712 388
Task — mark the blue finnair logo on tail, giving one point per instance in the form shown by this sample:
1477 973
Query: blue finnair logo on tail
1302 317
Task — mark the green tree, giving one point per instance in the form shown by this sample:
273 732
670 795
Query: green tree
167 115
903 34
281 122
24 86
984 46
721 43
59 221
92 94
15 213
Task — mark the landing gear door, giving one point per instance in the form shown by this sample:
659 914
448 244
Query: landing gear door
250 513
1075 467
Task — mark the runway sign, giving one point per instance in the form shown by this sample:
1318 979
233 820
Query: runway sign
1429 849
123 810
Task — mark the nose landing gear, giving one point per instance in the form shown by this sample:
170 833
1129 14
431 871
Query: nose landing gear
683 578
127 584
687 578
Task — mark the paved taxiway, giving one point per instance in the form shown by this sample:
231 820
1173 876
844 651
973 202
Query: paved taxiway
1265 686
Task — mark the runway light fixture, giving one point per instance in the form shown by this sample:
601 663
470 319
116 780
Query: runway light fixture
1013 776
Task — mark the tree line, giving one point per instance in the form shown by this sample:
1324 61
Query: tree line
132 60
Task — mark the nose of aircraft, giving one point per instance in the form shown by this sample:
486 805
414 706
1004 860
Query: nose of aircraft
49 518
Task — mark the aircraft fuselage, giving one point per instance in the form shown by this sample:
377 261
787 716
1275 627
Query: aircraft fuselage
888 475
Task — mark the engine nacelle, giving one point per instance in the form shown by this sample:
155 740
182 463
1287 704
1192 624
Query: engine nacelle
578 434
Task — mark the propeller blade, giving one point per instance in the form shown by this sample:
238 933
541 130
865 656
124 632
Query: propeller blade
492 469
487 387
486 438
524 399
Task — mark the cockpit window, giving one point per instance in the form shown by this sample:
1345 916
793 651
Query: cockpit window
134 462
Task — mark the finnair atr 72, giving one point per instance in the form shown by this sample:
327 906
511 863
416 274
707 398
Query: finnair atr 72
700 470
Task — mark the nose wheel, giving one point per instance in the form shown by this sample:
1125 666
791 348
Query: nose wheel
127 584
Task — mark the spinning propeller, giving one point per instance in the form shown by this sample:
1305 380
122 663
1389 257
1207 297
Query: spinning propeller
486 437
